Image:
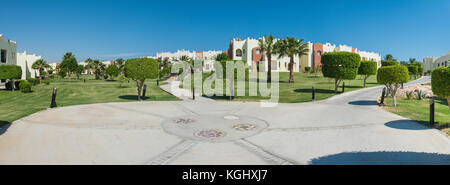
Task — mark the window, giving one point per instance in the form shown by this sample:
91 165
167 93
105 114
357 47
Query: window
3 56
319 53
239 53
258 51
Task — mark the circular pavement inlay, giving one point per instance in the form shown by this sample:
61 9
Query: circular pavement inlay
213 128
244 127
210 134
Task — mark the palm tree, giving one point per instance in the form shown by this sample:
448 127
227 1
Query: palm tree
290 47
412 60
40 65
189 61
267 47
120 63
95 66
389 57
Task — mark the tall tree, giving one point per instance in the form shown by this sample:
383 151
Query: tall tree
96 67
69 63
267 48
290 47
120 63
412 60
40 65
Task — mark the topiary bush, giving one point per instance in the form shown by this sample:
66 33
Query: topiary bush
388 63
140 69
392 77
440 82
307 69
25 86
46 82
10 72
112 71
33 81
340 66
366 69
413 70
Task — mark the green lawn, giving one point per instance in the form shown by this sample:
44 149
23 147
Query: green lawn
300 91
15 105
419 110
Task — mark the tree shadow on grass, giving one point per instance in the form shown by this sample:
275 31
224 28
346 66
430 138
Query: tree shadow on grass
383 158
363 102
4 125
133 97
407 125
326 91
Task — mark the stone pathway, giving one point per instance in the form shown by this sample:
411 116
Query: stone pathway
345 129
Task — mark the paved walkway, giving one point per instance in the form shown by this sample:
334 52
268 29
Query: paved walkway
345 129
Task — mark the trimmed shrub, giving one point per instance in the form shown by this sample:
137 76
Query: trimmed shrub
392 77
340 66
140 69
440 82
388 63
33 81
307 69
413 69
25 86
62 73
366 69
10 72
46 82
420 70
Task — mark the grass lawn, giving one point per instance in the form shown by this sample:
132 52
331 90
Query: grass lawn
300 91
15 105
419 110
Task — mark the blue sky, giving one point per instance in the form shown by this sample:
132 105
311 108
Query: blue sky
115 28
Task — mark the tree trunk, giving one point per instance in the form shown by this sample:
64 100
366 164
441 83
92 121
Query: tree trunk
448 102
13 85
365 78
269 66
394 93
40 76
336 85
140 85
291 70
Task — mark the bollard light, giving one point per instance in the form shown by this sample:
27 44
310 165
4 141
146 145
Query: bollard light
382 96
53 103
313 93
145 89
432 111
193 93
343 86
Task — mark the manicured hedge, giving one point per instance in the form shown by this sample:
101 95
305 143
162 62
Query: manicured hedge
413 69
340 65
395 74
389 63
368 68
307 69
33 81
10 72
440 81
25 86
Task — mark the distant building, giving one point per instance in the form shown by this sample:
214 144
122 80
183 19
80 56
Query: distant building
249 51
430 63
8 50
25 61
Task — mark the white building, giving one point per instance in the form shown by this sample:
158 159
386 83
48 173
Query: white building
430 63
25 61
249 51
8 50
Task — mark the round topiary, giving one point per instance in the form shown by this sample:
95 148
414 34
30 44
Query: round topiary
390 75
340 66
367 68
440 82
389 63
25 86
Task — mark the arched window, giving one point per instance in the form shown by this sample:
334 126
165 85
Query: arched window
319 53
238 52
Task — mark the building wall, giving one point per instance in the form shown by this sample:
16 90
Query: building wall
25 61
11 49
